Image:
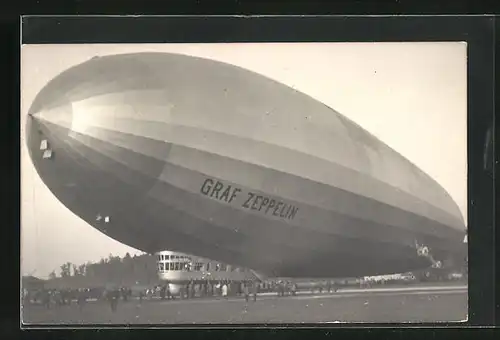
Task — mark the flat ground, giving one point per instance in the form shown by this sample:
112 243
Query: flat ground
391 305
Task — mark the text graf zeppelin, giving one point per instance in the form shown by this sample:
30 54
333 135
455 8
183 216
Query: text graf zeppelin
231 194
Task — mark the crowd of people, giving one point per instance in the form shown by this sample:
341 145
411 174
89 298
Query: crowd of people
205 289
55 298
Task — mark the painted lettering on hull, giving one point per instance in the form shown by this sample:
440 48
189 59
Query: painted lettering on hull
218 190
231 194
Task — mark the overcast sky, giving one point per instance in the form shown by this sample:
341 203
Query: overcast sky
412 96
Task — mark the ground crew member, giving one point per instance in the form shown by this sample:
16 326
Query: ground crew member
224 291
162 292
246 292
113 296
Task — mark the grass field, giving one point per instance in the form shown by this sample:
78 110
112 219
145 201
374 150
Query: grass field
380 306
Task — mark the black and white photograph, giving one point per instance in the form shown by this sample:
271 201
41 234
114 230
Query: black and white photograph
243 183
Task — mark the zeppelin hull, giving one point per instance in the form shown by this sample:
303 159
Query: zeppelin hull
228 165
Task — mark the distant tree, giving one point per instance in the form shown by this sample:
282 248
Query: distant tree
70 268
127 268
75 270
66 270
81 269
52 275
90 269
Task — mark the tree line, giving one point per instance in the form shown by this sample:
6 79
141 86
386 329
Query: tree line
137 268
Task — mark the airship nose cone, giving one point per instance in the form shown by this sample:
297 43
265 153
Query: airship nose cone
58 116
47 127
81 155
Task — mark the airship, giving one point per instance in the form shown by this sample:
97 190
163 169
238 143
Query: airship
167 151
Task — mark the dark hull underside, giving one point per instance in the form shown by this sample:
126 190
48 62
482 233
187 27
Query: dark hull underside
160 195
